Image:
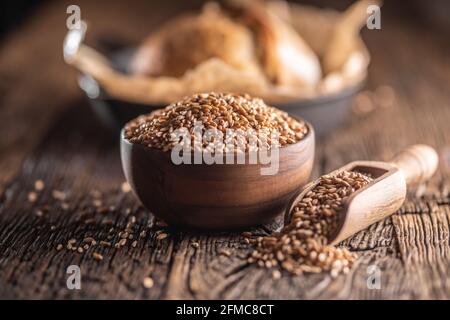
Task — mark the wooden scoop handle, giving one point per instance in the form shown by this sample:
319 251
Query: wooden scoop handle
417 163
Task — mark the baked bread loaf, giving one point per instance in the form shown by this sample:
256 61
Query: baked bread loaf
285 58
266 48
186 41
245 36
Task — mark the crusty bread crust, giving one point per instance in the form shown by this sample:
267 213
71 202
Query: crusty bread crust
246 37
188 40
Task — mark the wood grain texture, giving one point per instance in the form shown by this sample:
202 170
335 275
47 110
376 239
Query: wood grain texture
48 132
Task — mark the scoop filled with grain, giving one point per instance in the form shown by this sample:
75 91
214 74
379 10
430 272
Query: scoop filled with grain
336 206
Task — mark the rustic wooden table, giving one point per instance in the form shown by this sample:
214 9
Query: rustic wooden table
48 132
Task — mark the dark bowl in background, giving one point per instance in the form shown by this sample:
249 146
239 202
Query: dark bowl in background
326 113
113 113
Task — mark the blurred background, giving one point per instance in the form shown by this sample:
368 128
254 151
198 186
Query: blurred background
32 33
436 12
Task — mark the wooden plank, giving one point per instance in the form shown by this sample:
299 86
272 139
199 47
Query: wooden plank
55 137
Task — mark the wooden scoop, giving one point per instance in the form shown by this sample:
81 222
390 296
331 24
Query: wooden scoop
384 195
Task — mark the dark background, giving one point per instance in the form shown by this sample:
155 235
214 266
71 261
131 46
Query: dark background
434 12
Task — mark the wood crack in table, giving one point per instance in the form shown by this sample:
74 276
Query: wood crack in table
49 133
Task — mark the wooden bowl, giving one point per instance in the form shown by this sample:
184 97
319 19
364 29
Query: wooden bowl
216 196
